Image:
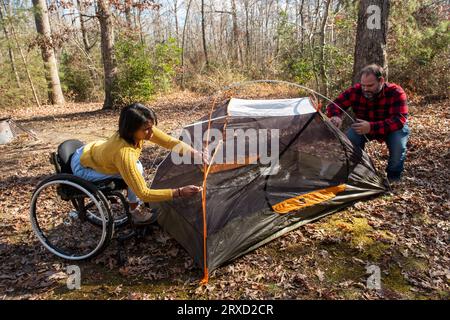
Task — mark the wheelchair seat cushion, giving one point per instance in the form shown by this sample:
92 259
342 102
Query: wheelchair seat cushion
65 152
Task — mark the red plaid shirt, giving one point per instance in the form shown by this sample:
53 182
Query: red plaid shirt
386 113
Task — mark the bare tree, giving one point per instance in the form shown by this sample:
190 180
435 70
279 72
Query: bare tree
175 14
25 63
127 9
48 54
236 38
323 74
205 51
107 47
183 51
371 35
10 50
247 31
246 35
86 42
84 34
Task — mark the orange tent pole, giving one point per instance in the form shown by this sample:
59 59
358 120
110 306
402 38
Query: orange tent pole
205 175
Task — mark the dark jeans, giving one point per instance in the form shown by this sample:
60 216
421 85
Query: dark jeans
396 142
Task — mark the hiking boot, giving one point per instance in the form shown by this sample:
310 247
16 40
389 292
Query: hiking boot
143 215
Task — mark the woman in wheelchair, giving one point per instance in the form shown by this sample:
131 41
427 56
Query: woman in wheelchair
118 157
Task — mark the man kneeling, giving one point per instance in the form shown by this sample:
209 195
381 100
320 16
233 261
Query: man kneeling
381 112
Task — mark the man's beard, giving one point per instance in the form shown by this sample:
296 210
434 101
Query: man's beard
371 95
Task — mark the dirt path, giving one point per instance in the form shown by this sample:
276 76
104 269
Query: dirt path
405 234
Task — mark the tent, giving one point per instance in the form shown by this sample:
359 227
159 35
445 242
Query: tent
247 202
10 130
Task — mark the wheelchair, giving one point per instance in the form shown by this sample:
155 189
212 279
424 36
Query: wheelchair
76 219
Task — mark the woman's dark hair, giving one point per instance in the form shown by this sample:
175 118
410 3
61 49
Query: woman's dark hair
132 118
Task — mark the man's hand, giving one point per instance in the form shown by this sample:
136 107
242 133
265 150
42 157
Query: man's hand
361 126
336 121
186 191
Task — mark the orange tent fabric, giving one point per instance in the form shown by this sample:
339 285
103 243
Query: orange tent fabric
307 199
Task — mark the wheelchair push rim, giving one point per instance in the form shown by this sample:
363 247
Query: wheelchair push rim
120 220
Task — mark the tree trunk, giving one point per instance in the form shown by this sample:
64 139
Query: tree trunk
247 34
371 35
25 64
157 29
10 51
107 48
48 54
302 24
311 42
323 74
236 42
128 18
139 19
175 13
205 51
87 46
183 44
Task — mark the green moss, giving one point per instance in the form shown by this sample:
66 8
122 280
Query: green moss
274 289
411 264
350 294
360 235
340 267
396 282
387 197
338 272
422 218
105 291
443 295
100 283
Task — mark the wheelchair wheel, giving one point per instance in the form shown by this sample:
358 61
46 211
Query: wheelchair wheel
118 206
65 229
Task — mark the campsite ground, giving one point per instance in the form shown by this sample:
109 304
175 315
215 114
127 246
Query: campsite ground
404 233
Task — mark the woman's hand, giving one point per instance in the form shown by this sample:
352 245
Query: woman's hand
186 191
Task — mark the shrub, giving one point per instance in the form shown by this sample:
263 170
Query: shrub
143 72
76 78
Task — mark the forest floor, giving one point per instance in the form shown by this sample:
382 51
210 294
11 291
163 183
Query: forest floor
404 233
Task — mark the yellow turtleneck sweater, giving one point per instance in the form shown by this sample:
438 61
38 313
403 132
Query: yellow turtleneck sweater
116 155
